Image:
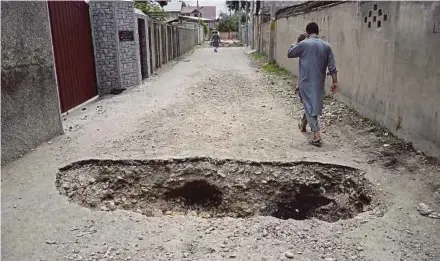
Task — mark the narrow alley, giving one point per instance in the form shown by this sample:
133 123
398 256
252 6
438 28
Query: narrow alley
221 106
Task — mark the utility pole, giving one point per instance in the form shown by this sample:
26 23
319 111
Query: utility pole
198 12
272 32
239 21
198 24
247 23
252 22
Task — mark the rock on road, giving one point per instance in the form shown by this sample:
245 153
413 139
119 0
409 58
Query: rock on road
206 104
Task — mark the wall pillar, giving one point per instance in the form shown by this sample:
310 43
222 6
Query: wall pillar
147 42
172 41
144 53
153 46
165 28
116 44
160 38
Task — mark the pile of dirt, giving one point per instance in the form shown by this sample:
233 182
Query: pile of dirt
387 150
219 188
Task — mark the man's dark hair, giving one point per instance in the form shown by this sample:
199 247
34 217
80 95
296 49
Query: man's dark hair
312 28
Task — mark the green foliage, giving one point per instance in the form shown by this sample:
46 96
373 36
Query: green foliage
234 6
154 11
275 69
227 23
243 18
271 68
205 27
258 56
162 3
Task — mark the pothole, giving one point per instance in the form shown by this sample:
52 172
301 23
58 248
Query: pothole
219 188
197 192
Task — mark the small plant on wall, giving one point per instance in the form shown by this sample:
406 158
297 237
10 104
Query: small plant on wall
205 27
155 11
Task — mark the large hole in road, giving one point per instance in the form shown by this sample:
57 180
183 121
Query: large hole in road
197 192
218 188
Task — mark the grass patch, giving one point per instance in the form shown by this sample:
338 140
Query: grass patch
275 69
270 68
258 56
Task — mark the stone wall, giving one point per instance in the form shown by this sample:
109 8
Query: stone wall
103 23
30 107
128 50
387 54
29 96
117 62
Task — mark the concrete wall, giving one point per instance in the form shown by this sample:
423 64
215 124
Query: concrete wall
389 73
266 5
201 35
152 35
187 38
171 41
228 35
265 32
30 107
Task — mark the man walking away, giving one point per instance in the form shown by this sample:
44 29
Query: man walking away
215 41
315 56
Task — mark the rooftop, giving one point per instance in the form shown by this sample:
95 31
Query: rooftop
208 12
173 7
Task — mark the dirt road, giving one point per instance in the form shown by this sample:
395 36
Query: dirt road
219 106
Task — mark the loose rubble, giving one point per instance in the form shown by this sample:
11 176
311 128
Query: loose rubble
425 210
219 188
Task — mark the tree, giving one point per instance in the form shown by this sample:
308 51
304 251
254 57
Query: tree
234 5
162 3
154 11
205 27
227 23
243 18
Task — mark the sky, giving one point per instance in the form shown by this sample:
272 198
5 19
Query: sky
221 5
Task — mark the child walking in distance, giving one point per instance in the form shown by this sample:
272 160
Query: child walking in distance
215 41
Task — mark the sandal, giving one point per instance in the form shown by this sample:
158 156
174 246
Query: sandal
316 143
301 129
